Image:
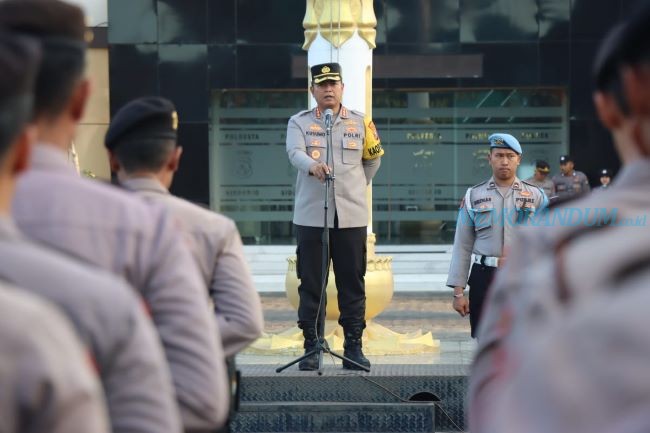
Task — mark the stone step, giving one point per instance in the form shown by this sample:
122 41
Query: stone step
345 417
388 384
402 282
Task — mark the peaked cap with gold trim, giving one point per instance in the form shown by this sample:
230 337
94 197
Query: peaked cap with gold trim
326 72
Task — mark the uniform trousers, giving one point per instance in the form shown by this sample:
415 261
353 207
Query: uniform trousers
479 281
348 255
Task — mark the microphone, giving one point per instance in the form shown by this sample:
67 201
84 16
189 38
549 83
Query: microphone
328 117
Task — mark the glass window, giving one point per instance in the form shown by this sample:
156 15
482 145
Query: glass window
435 143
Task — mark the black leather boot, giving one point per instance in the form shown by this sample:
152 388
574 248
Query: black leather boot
311 363
352 347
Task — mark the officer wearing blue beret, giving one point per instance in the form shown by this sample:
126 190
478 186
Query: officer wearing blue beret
487 217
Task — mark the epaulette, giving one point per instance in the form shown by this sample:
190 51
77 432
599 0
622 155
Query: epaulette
358 113
303 112
479 184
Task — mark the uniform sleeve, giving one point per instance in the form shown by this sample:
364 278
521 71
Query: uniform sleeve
372 144
56 388
237 304
177 297
372 150
296 148
462 250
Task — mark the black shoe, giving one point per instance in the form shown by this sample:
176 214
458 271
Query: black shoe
357 356
352 348
310 363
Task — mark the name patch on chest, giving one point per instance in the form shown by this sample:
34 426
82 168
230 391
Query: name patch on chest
481 200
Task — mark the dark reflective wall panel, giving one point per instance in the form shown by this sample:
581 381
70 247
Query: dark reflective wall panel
498 20
182 21
132 22
192 181
222 64
423 22
222 21
133 72
184 79
185 49
264 21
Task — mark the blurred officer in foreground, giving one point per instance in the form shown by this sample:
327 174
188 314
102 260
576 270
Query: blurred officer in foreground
143 150
105 311
605 178
46 380
107 227
570 182
540 178
356 156
487 218
559 267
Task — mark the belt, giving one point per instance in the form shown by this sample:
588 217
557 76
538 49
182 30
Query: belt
493 262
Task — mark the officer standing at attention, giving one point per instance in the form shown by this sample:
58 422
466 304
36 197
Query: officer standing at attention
356 152
570 182
560 270
109 228
540 178
107 314
143 151
605 178
47 380
487 218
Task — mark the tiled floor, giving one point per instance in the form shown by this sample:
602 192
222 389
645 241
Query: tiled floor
408 312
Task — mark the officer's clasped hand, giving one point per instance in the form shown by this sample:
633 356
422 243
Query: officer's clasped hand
320 170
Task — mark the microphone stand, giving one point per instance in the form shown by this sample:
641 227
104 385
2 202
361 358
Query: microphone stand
321 344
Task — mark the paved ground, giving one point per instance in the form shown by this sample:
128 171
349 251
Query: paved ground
408 312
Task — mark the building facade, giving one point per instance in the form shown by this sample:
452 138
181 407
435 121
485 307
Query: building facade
446 74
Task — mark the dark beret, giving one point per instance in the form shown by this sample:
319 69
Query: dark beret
565 158
145 118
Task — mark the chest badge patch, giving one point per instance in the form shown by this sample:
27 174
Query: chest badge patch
315 154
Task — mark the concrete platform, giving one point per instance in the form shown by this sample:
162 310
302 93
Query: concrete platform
394 380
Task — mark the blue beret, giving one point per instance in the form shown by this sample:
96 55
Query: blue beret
505 141
145 118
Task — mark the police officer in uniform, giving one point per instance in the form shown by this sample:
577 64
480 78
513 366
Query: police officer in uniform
540 178
47 381
605 178
570 182
120 339
356 152
558 272
144 153
109 228
143 150
487 218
